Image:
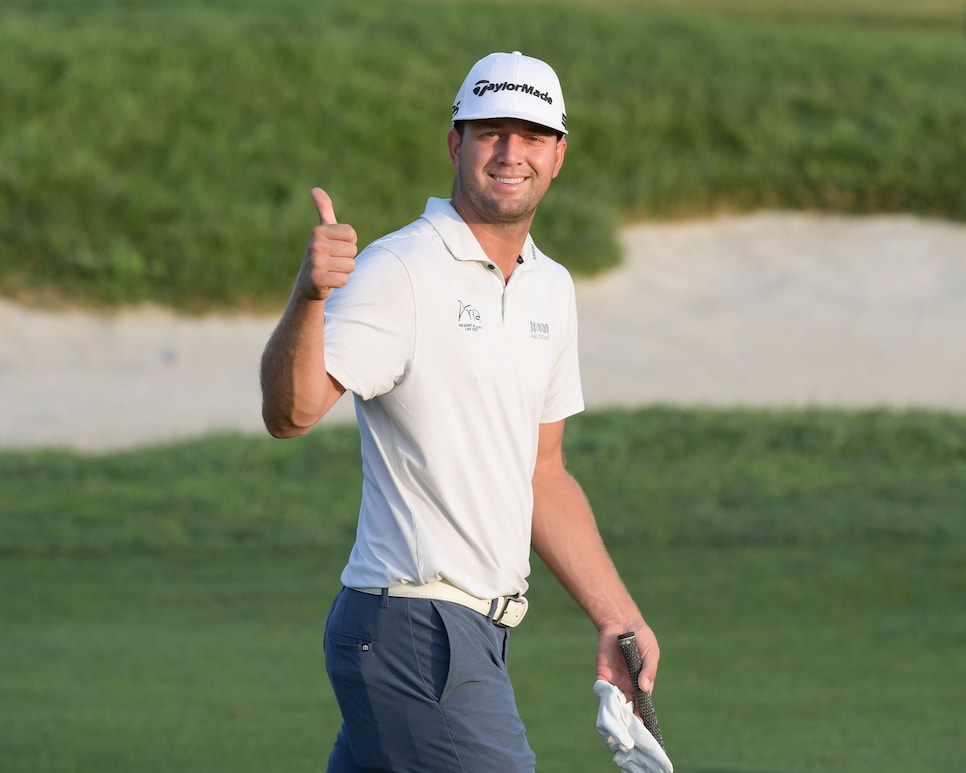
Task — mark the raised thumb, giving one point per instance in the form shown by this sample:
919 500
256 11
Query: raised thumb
324 206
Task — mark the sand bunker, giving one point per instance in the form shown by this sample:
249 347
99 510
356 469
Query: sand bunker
771 310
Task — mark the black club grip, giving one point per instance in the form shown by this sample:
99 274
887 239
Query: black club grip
642 700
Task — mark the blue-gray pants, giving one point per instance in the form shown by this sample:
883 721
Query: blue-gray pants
423 687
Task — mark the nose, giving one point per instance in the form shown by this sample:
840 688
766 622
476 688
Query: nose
511 150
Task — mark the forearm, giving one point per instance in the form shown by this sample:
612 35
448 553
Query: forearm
296 390
566 537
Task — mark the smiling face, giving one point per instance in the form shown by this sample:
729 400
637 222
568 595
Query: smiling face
504 167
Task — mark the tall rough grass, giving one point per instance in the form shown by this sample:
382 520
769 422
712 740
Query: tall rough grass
165 152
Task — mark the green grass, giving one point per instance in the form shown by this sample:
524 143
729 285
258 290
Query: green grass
947 16
163 608
164 152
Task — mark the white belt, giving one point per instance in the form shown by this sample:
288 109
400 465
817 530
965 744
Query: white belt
506 611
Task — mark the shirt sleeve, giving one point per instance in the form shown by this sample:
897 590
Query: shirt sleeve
370 325
565 395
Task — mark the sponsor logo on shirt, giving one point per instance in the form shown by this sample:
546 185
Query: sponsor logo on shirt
540 330
469 317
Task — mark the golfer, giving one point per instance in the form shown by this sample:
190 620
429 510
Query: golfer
457 337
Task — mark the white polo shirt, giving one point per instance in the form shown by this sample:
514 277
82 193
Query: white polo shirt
452 371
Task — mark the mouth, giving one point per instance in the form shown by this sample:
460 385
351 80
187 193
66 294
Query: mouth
509 180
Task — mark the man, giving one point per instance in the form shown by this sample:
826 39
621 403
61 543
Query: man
457 338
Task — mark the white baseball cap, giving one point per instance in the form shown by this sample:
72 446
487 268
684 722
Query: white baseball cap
512 86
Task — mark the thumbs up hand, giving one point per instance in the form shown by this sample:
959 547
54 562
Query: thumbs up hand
330 252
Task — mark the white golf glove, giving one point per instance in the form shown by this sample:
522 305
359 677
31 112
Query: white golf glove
635 749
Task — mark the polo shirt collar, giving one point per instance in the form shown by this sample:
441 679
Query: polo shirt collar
459 239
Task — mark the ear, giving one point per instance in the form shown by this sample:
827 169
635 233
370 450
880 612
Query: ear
454 141
561 150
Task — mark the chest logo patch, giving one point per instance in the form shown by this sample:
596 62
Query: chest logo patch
469 317
540 330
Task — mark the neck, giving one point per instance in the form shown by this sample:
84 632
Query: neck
502 242
500 246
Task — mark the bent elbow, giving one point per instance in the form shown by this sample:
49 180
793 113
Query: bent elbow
285 427
284 433
295 414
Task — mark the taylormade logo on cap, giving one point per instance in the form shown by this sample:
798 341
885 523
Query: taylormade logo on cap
512 86
484 86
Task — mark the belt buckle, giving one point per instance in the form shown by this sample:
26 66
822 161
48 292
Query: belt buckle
513 613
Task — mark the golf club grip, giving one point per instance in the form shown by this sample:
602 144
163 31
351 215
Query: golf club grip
642 700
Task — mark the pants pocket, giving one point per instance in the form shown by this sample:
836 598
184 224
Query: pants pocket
348 644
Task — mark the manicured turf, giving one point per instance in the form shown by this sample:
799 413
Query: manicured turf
164 608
